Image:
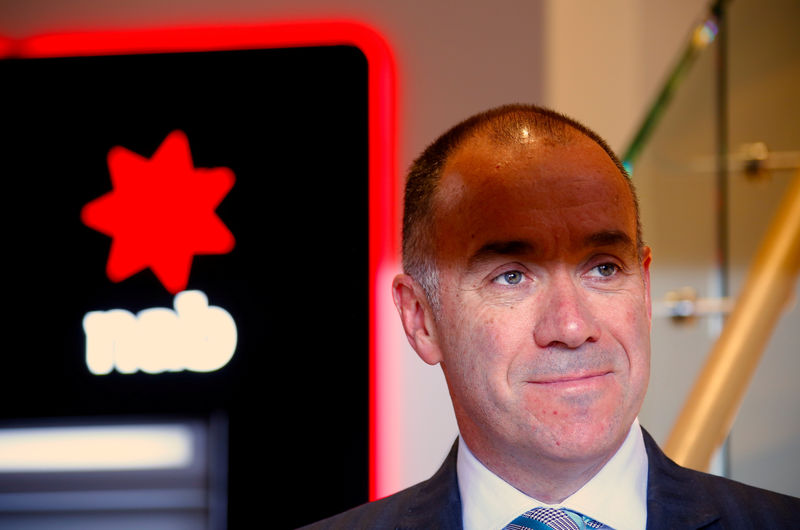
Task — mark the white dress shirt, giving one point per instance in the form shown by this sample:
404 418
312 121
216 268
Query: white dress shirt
616 496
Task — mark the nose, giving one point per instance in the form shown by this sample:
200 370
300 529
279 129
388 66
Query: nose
564 315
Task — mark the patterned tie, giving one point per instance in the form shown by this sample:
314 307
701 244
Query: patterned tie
553 519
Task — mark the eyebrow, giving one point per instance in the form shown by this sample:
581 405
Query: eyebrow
608 238
500 248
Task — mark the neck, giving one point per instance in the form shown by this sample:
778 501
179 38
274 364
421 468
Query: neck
547 480
549 484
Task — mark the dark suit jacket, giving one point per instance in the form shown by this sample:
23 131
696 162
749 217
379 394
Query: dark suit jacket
677 498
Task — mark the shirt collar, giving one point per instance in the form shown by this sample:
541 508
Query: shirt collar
615 496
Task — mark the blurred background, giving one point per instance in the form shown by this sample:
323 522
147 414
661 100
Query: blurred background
673 87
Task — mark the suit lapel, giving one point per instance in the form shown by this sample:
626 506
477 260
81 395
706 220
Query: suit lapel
674 496
437 504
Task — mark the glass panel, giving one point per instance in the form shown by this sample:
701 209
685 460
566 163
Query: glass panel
675 173
764 88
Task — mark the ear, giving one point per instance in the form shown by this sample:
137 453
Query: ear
417 318
646 258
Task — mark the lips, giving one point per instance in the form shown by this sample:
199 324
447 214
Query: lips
569 378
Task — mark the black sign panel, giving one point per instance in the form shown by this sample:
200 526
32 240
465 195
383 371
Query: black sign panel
278 240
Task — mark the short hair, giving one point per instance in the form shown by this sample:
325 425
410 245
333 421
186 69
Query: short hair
501 124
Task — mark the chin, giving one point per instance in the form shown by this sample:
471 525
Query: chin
588 440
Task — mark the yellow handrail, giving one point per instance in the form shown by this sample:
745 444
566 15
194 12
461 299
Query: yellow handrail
710 409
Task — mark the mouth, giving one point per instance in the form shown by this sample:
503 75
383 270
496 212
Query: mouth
570 379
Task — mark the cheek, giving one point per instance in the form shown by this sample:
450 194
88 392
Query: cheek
633 333
497 336
627 320
472 341
477 351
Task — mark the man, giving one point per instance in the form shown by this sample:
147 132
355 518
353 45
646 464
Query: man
527 281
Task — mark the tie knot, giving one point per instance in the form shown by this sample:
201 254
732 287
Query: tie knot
552 519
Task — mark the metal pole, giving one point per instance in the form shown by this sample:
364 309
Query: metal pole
711 407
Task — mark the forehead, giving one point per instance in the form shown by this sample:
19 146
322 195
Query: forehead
550 194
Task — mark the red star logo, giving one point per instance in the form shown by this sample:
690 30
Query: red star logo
160 212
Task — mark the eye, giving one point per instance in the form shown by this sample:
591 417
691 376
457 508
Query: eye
606 269
510 278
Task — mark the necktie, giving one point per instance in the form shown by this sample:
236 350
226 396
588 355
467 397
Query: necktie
553 519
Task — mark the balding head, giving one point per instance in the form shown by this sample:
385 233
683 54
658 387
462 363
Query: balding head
505 127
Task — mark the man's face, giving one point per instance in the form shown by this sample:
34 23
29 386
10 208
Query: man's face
543 331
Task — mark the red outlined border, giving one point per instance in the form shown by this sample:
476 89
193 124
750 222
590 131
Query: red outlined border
382 101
